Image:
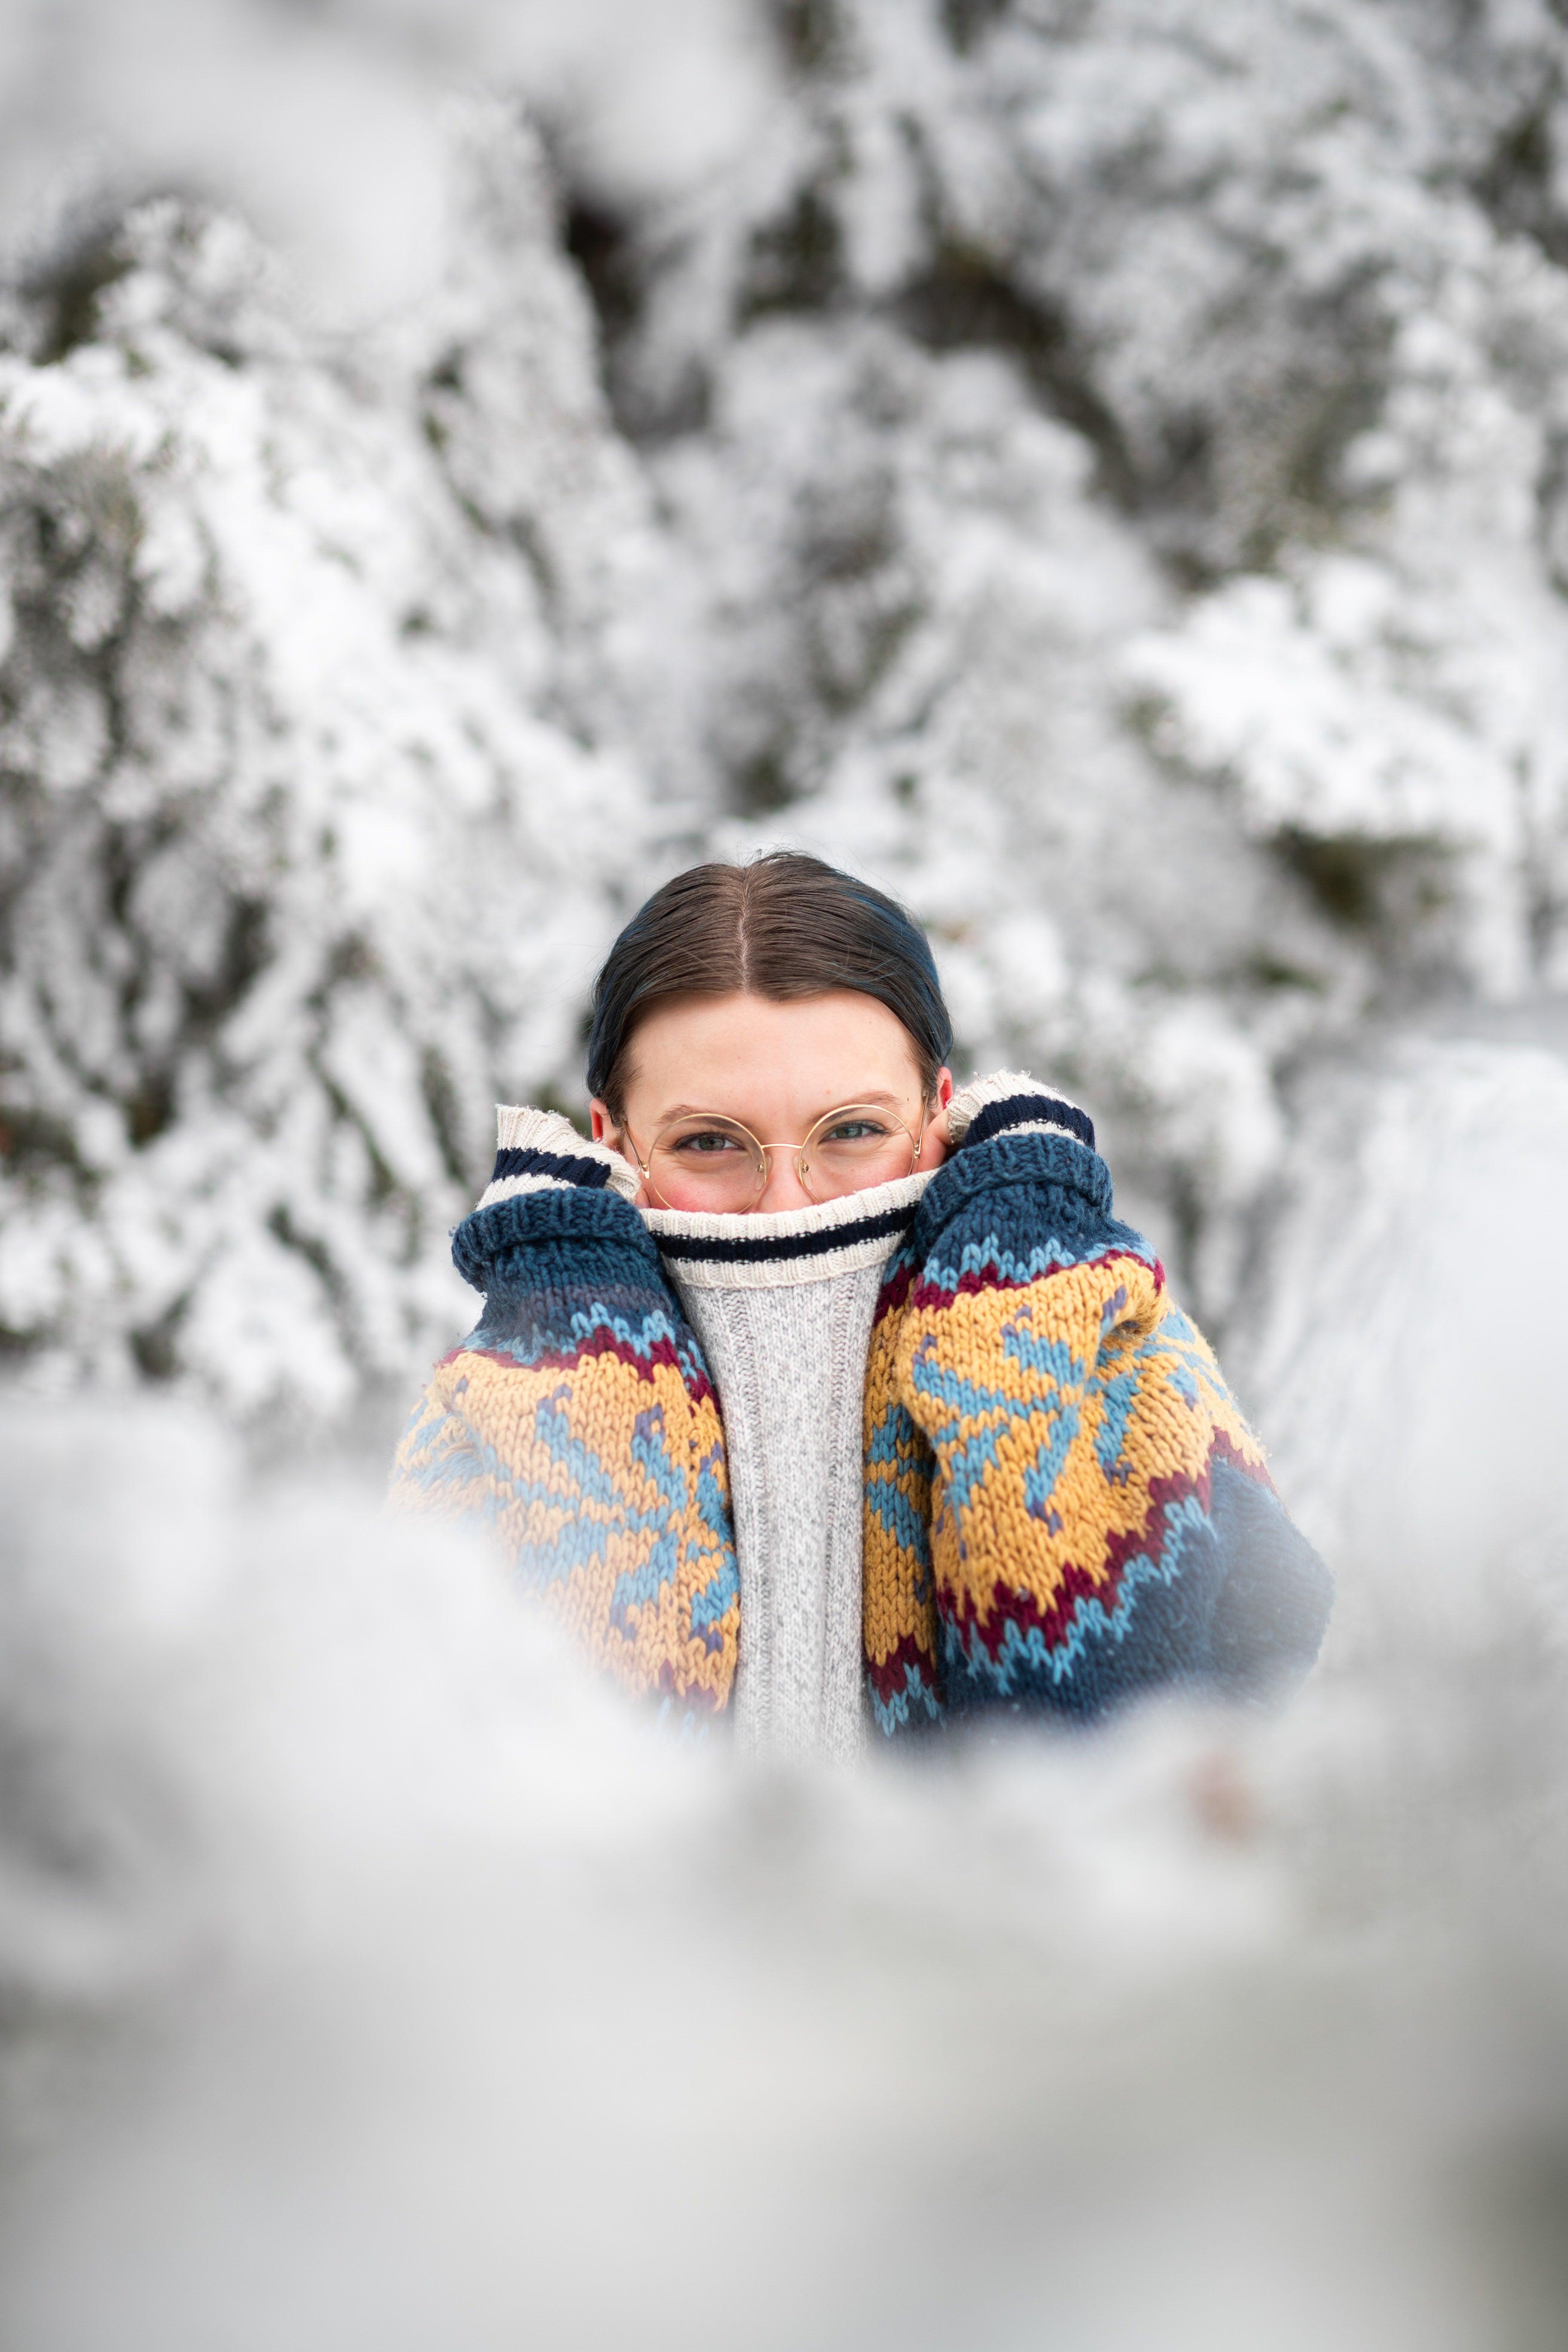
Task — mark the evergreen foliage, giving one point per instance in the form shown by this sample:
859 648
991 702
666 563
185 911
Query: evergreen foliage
1098 469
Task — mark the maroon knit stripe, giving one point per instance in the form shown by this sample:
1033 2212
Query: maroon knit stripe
1010 1607
891 1675
990 1277
602 1342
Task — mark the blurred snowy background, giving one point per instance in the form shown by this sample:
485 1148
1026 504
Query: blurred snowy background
1100 469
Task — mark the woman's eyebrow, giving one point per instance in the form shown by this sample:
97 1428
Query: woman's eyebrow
873 1099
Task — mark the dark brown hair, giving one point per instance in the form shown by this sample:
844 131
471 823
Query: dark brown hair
784 926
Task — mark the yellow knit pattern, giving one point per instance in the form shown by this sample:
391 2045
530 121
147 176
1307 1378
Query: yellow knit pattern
605 1483
1064 1415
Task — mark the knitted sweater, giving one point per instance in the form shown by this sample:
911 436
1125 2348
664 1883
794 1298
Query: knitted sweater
1061 1506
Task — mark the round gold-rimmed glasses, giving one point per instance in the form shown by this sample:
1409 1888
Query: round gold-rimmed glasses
707 1161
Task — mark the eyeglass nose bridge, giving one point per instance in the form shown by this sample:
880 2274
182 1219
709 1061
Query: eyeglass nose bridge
916 1136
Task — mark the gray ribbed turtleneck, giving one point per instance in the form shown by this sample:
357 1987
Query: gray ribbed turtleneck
782 1306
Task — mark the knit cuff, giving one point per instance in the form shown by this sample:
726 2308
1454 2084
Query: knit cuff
1010 1102
539 1151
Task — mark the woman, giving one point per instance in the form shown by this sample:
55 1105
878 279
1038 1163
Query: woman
814 1393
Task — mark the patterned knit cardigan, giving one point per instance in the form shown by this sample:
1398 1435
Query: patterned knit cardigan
1063 1505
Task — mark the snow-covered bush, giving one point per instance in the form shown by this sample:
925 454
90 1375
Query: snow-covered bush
1099 468
304 853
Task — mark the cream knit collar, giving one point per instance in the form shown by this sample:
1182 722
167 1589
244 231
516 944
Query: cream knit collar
786 1246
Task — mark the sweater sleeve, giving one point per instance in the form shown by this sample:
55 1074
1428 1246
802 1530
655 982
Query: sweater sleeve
1103 1522
578 1423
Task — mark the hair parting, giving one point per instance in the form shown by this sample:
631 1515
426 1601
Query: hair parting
786 925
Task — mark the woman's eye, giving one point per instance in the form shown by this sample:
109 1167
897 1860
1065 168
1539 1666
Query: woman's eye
853 1130
706 1141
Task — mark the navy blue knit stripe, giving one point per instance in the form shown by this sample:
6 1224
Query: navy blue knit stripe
529 1162
565 1225
766 1246
1019 1109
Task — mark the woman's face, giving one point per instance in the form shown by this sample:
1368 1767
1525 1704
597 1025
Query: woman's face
775 1069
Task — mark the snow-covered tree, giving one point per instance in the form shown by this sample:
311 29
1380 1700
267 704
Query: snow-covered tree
1098 466
304 851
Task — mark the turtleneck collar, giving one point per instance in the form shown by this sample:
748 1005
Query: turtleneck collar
786 1246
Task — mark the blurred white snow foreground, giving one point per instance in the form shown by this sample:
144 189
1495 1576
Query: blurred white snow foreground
371 1983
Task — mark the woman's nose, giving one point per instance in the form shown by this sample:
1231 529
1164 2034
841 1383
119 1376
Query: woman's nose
784 1189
